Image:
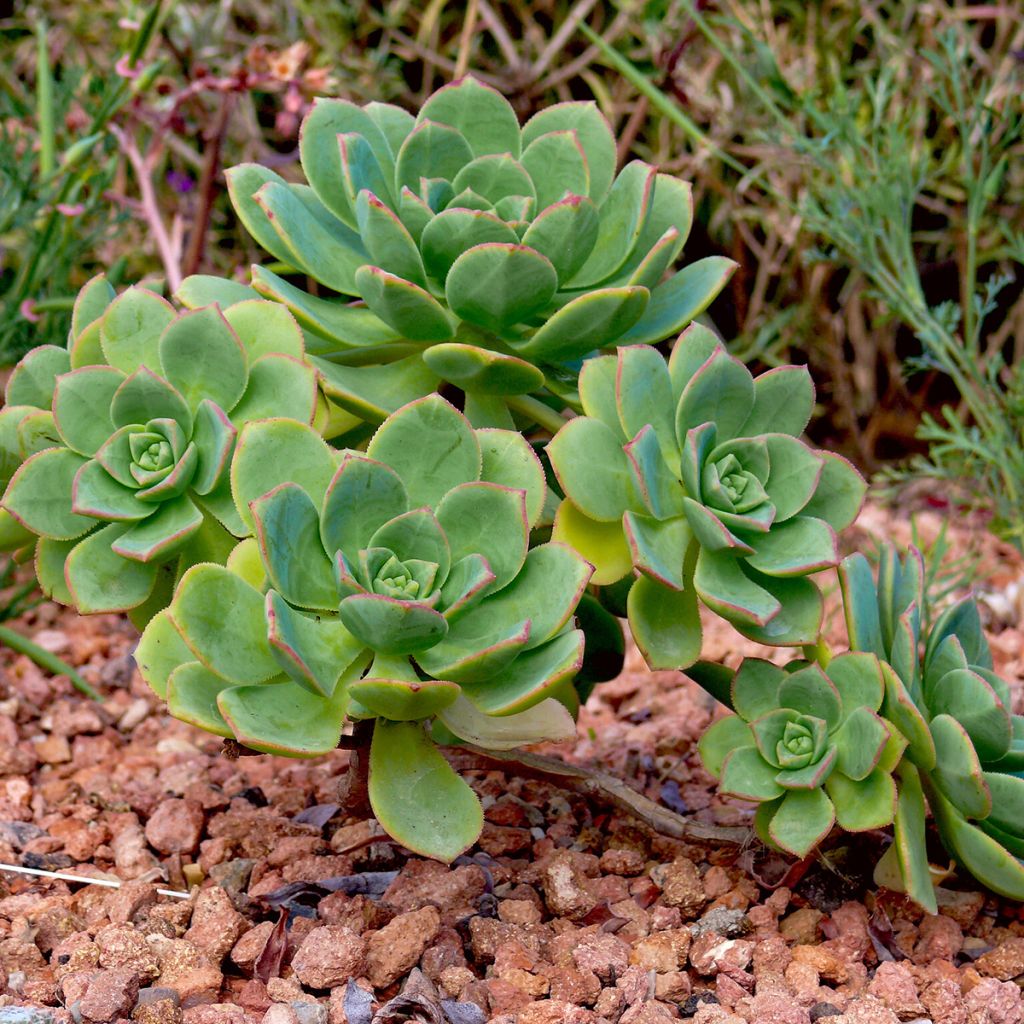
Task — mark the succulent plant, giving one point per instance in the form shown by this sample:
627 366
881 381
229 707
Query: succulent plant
396 585
809 746
127 435
487 254
966 749
692 475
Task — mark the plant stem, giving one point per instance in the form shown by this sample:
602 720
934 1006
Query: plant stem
594 784
537 411
44 103
46 659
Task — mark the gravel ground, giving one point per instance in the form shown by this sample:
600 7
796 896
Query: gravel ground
565 911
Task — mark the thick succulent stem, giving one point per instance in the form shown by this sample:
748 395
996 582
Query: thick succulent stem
353 787
597 785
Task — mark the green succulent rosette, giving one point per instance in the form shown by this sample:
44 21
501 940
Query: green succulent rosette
123 440
966 750
809 746
692 477
486 254
396 585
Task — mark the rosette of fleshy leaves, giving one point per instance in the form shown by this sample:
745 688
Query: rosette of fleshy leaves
395 585
808 745
127 435
966 750
691 475
486 254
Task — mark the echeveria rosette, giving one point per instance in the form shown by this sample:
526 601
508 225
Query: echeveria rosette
396 585
128 435
488 254
808 746
966 751
692 475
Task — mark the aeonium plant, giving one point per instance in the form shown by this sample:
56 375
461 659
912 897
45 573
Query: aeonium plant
127 436
808 745
396 586
966 751
486 254
687 482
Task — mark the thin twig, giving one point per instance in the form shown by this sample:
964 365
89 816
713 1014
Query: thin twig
466 38
497 29
595 784
561 37
65 877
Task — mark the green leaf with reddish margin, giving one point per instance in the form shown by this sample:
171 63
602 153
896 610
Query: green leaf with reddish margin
478 112
90 303
508 459
861 741
907 858
160 651
680 299
131 328
389 243
244 181
146 396
489 520
899 709
658 547
453 231
720 392
1007 802
416 795
589 322
794 474
312 237
497 285
971 701
557 165
284 718
363 495
287 525
192 693
755 688
221 618
102 581
81 406
665 624
475 654
985 858
797 547
205 290
391 626
275 451
34 378
593 470
533 677
840 492
156 538
415 535
203 358
592 130
39 495
727 590
860 605
548 721
565 233
804 818
482 371
864 804
432 448
214 437
49 565
374 392
857 675
277 384
408 308
403 700
643 395
623 214
747 775
798 620
720 739
315 652
694 347
430 150
957 772
783 402
265 328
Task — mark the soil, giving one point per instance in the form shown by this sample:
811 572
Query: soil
566 910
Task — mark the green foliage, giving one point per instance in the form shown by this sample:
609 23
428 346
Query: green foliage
966 749
398 586
809 746
123 440
692 475
504 254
